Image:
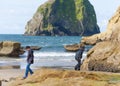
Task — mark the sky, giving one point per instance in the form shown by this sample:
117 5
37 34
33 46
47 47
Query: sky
14 14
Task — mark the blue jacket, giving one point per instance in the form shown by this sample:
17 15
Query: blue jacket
79 53
30 57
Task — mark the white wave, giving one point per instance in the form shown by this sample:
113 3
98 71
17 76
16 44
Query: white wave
47 56
53 54
55 59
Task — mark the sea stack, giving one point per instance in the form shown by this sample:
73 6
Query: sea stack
63 18
105 55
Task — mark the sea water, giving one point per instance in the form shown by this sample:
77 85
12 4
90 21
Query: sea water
52 53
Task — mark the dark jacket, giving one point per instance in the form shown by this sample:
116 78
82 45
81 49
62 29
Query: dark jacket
79 53
30 57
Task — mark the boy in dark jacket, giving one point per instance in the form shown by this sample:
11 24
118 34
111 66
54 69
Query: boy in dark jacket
78 56
30 60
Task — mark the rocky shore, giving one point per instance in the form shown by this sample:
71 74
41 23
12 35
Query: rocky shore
53 77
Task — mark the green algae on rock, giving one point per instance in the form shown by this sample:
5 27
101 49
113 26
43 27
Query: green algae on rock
63 17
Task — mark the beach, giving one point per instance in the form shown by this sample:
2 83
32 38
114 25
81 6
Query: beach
62 44
52 55
10 74
61 77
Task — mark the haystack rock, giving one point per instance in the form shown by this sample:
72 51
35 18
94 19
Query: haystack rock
62 17
105 55
9 48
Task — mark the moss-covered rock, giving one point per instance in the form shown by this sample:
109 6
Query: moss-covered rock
62 17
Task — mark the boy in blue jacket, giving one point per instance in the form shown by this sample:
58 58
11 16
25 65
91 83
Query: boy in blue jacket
30 60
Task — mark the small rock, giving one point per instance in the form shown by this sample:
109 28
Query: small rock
72 48
32 47
35 47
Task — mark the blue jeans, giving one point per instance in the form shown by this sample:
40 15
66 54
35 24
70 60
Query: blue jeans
77 67
28 69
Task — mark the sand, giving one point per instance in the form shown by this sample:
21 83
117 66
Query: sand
10 74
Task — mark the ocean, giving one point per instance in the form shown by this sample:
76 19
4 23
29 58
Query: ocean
52 53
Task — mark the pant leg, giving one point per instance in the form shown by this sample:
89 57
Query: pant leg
77 67
27 70
30 70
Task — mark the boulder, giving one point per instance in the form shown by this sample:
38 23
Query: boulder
9 48
35 47
105 55
32 47
62 17
72 48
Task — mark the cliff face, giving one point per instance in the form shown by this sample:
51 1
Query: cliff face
105 55
62 17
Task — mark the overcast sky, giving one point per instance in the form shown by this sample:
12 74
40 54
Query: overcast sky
14 14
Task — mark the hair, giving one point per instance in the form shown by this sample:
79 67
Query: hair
27 47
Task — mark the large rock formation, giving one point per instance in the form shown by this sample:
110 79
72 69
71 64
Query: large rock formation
105 55
48 77
62 17
9 48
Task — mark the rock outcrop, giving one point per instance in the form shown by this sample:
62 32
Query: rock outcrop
51 77
9 48
105 55
72 48
32 47
62 17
